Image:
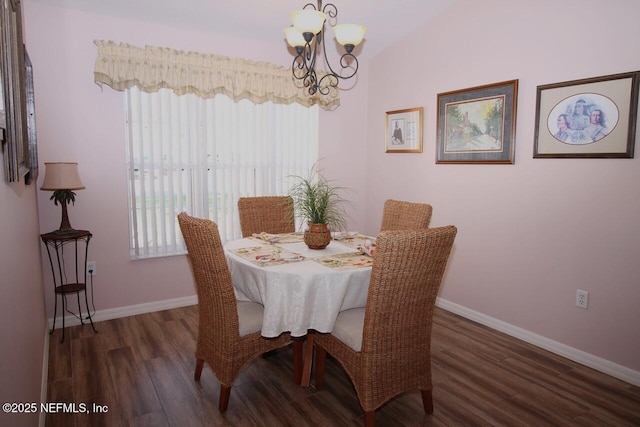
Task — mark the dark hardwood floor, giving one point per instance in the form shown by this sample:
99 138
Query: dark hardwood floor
140 368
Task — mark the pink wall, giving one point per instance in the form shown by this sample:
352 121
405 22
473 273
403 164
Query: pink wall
532 233
23 327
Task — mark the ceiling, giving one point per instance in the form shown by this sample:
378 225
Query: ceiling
386 20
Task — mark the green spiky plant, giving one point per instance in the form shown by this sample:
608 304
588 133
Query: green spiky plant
318 201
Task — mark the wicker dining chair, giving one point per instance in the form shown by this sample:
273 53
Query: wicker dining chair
399 215
270 214
385 348
228 330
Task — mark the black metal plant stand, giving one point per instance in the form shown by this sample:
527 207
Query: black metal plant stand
55 243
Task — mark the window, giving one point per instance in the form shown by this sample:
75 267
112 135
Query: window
185 153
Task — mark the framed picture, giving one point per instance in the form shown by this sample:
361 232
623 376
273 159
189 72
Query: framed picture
31 139
588 118
13 124
478 124
404 131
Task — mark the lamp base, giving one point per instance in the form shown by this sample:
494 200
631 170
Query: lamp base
65 225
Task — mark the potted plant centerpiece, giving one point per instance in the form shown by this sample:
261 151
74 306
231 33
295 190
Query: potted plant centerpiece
318 202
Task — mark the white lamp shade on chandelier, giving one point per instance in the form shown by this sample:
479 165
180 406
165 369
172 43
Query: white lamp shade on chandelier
349 33
346 34
294 37
308 21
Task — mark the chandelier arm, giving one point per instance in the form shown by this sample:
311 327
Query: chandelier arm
309 78
311 81
297 64
329 9
343 64
313 6
312 52
333 82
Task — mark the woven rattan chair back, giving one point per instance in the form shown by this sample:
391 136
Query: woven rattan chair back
270 214
396 339
399 215
219 343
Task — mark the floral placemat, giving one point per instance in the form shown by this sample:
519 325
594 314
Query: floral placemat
360 242
345 261
265 256
278 238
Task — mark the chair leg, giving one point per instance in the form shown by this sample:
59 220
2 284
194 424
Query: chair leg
199 366
369 418
427 401
321 357
297 361
308 360
225 391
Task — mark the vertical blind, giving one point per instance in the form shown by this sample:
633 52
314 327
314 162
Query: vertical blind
186 153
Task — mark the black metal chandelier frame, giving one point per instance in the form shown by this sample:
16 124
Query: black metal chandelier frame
304 64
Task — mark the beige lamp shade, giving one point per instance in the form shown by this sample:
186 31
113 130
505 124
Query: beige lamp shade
61 176
294 37
308 21
349 33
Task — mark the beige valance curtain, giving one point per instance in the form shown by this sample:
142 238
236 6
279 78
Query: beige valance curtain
121 66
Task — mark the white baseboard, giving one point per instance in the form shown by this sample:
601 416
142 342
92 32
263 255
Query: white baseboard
618 371
131 310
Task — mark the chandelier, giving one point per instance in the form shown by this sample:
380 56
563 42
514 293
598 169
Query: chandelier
306 35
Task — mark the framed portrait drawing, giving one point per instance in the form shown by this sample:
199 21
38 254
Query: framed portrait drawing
403 131
478 124
589 118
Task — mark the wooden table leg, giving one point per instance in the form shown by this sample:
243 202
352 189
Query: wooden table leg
297 360
308 358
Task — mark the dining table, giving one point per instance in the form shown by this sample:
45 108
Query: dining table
302 290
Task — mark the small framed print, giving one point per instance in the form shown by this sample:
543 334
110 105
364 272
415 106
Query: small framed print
589 118
404 131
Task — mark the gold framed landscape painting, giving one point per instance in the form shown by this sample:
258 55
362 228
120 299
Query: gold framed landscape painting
478 124
588 118
403 130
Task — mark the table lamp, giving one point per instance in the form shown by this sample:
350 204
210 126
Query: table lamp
61 178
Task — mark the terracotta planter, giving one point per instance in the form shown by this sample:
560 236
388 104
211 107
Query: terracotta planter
317 236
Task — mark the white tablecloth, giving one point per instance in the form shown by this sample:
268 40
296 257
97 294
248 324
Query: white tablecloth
298 296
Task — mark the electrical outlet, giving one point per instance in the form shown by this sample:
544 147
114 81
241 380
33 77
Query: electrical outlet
582 298
91 268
